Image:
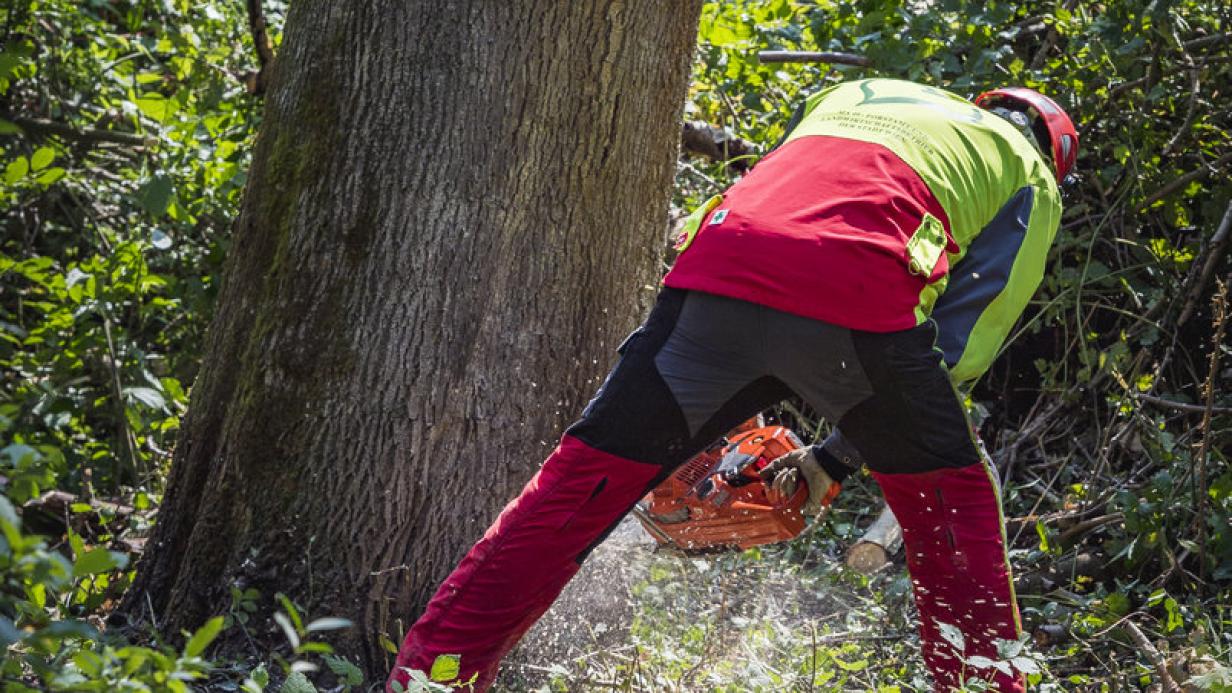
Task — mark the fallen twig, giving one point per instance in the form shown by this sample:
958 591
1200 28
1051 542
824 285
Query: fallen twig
1152 654
1064 519
52 513
1049 634
1088 525
1064 572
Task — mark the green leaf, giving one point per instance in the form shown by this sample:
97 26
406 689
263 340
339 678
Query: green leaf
74 277
13 55
16 170
345 670
75 542
8 513
96 561
1009 649
328 623
42 157
287 629
71 628
88 662
1174 615
982 662
446 667
1042 531
8 63
203 637
156 107
1025 664
160 240
146 395
156 194
858 665
51 175
9 634
291 611
297 682
952 635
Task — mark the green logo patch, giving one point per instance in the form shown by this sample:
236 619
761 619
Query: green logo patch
926 245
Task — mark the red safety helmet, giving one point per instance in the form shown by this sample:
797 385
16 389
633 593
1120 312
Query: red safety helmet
1061 132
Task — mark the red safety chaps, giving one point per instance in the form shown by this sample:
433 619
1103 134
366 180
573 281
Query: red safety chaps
700 365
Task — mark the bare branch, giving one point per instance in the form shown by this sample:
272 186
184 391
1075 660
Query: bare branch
40 126
1220 308
265 49
1086 526
1207 40
1126 86
1182 181
1195 93
813 57
1182 406
717 144
1214 253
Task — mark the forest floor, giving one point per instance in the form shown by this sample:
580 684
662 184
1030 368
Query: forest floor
782 618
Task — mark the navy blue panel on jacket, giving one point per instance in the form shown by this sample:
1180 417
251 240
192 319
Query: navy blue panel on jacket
981 275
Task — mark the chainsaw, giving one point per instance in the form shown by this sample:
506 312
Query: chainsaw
717 499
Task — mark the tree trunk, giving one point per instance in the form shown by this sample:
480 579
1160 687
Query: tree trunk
454 214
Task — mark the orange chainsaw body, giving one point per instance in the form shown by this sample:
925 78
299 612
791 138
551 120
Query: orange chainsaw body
717 499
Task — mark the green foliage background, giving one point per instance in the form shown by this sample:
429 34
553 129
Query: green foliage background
1080 412
125 131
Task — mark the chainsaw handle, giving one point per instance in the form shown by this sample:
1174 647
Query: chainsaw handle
754 507
737 478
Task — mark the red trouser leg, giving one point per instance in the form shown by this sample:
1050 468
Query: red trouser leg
513 574
954 535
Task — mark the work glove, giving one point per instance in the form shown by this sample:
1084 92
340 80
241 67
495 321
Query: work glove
784 474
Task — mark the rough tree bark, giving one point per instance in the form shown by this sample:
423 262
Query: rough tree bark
454 214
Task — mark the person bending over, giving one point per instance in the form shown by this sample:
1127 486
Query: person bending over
878 255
